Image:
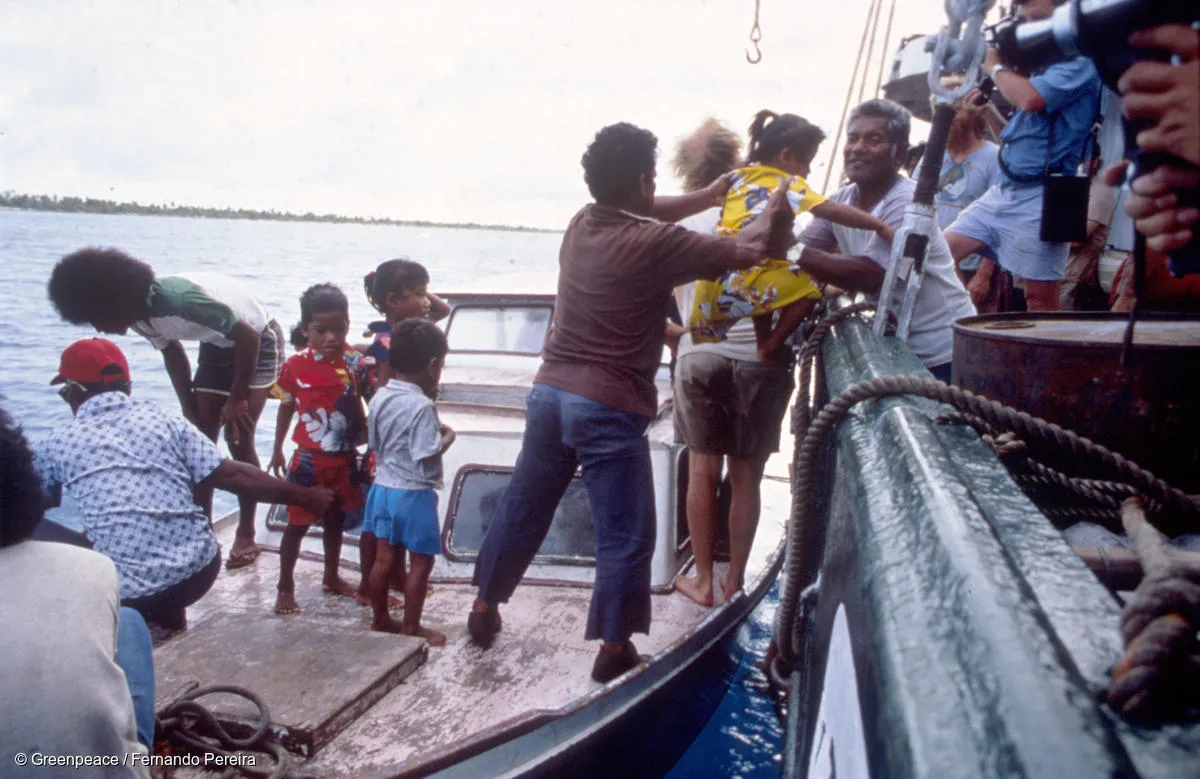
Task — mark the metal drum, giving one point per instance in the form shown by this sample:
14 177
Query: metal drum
1066 368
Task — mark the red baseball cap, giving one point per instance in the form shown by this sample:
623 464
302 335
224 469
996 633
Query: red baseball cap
92 361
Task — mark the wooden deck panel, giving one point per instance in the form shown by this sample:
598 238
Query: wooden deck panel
317 671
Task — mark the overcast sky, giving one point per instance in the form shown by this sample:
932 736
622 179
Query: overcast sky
449 111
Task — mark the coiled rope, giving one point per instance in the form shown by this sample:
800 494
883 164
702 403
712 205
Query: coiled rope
187 724
803 528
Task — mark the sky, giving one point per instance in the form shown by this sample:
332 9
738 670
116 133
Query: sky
445 111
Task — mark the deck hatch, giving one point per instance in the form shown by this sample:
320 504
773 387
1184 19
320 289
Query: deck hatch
474 496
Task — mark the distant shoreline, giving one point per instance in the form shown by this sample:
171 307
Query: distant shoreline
78 205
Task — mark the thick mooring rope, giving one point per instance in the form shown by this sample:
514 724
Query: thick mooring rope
803 526
1160 669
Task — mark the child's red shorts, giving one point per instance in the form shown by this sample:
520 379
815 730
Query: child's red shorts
335 470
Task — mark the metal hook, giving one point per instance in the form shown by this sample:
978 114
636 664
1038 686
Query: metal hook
755 37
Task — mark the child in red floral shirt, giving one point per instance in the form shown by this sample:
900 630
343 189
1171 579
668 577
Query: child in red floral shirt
322 384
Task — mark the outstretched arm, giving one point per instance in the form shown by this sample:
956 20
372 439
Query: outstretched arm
247 481
672 208
857 273
849 216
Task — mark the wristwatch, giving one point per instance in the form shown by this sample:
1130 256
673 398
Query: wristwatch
793 254
997 68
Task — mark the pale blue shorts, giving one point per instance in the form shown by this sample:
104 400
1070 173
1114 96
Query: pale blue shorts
405 518
1008 220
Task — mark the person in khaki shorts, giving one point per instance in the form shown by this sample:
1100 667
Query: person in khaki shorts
728 405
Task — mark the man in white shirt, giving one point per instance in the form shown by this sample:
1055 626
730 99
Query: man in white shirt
876 142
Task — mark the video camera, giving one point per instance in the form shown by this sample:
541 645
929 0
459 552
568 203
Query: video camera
1096 29
1100 30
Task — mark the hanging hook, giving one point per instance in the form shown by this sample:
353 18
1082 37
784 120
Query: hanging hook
755 37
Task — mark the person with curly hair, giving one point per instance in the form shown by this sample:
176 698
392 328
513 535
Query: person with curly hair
594 394
241 347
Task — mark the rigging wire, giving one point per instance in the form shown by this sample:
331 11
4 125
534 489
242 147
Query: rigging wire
873 21
837 135
887 33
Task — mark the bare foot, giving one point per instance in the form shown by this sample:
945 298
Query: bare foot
699 591
285 603
394 601
339 587
391 626
434 637
727 591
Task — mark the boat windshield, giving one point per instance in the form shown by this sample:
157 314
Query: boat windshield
477 491
499 329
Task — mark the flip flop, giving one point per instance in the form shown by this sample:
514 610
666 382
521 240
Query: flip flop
243 558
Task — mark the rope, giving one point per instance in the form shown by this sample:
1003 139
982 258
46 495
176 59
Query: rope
1160 668
887 33
837 138
802 535
188 724
873 21
808 352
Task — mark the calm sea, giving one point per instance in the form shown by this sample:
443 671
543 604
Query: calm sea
279 260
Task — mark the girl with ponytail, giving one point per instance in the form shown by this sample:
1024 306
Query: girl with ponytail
398 289
782 148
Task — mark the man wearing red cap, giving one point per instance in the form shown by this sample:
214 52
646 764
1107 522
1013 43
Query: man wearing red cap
132 469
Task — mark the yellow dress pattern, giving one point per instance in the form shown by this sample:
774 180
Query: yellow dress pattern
771 284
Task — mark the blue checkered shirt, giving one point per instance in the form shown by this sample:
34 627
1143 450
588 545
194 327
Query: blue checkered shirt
131 468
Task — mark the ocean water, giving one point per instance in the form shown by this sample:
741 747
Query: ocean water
279 260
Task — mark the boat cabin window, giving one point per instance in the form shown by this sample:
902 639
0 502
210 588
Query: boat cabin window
473 499
503 329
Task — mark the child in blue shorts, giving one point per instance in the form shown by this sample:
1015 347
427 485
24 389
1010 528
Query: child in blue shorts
408 441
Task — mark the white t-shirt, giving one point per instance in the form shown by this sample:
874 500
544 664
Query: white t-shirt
199 307
942 299
740 342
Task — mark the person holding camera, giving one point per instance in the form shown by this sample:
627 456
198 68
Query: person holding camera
1167 97
1047 135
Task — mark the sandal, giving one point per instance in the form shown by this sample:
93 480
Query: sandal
243 558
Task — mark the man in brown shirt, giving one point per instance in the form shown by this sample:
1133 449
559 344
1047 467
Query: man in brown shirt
594 395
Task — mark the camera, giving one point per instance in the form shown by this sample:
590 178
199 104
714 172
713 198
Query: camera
1096 29
1100 30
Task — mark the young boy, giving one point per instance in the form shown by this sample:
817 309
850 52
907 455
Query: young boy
408 441
241 347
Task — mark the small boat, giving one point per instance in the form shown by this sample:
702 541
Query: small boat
354 703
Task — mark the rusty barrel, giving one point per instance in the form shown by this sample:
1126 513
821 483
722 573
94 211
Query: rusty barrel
1066 368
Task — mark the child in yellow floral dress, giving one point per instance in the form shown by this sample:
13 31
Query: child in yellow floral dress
782 147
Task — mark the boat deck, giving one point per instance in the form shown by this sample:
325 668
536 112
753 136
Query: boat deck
366 702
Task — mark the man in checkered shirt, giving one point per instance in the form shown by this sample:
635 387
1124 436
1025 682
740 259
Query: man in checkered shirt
132 470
